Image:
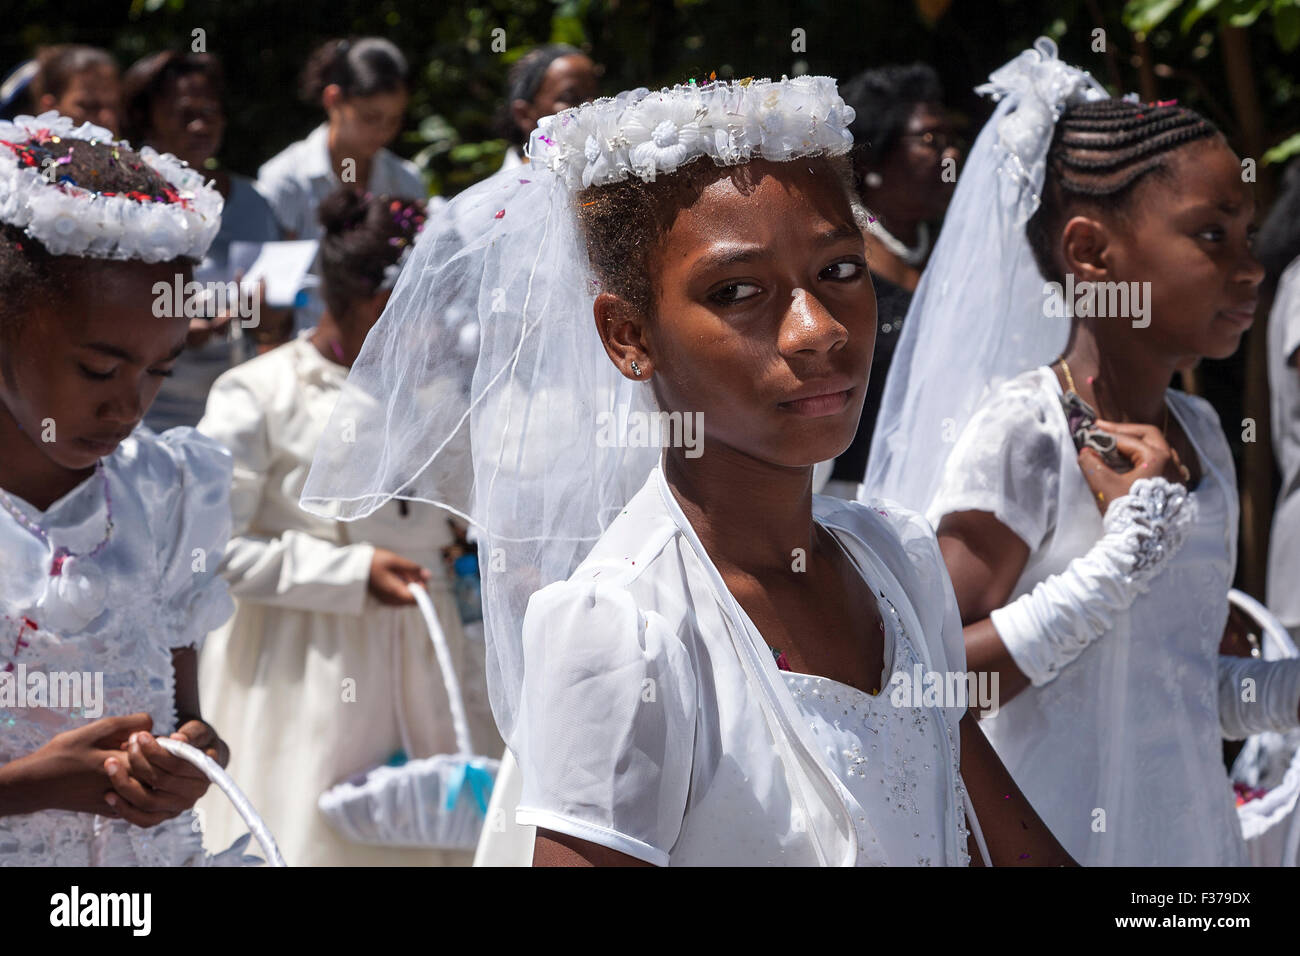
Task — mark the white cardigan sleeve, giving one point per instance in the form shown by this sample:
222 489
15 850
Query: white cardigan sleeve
293 569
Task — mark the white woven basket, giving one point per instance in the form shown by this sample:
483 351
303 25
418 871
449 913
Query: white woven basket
1271 823
436 802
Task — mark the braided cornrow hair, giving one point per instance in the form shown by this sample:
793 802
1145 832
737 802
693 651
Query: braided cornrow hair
1100 151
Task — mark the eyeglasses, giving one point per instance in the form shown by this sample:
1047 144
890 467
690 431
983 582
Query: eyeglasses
938 140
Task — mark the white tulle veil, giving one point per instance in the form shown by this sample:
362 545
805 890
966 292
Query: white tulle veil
977 317
481 387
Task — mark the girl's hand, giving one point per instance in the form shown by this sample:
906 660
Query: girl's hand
154 785
68 772
199 734
1144 446
389 575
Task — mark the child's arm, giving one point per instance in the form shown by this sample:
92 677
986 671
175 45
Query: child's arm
69 771
1014 833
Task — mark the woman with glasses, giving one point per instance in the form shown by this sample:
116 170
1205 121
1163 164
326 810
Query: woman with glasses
905 160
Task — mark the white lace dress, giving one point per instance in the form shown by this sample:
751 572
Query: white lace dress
883 757
1121 753
171 519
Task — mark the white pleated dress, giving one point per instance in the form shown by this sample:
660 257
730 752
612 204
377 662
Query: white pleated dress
314 680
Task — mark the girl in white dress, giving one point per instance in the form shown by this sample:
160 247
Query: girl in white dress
1092 564
326 668
711 684
110 536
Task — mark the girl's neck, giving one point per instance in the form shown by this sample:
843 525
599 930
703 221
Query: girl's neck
337 341
749 515
1120 380
28 473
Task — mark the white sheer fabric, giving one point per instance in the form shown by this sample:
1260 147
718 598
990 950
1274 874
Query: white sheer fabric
977 318
654 720
1121 752
171 519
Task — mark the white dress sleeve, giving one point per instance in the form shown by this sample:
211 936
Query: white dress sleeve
293 569
192 533
607 719
1007 462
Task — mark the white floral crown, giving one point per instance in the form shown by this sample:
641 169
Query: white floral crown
76 219
642 134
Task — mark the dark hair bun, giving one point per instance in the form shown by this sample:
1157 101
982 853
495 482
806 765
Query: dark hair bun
342 210
364 235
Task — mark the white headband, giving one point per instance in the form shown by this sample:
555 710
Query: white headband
72 219
642 134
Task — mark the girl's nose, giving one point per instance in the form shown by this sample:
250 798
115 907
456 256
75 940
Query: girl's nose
808 326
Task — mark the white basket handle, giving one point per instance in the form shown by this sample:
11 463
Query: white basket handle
228 786
455 702
1272 633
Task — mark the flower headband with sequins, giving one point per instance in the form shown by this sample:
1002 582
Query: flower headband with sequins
642 134
76 219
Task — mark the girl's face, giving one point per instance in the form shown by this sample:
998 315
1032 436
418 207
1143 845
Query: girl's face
188 120
1190 235
93 96
85 369
365 124
913 171
765 317
569 81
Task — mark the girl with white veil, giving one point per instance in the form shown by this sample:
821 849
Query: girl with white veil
1091 555
686 647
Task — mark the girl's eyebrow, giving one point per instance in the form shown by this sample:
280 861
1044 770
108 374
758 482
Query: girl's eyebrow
730 254
121 353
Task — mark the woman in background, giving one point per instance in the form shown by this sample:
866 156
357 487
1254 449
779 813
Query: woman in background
903 138
327 669
81 82
362 86
174 103
545 80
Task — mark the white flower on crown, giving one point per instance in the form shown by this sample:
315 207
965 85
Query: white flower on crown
665 131
644 134
71 220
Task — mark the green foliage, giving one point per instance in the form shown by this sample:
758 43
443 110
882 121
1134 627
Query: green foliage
459 78
1143 16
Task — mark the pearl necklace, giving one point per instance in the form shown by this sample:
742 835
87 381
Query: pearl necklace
59 555
911 256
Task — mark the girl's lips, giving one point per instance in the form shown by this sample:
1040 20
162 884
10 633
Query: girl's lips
99 447
819 405
1240 317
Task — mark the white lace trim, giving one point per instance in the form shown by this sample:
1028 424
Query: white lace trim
1152 521
640 133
